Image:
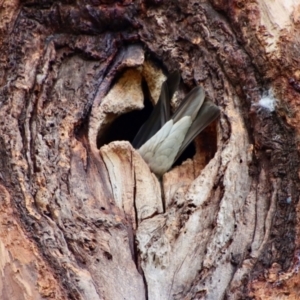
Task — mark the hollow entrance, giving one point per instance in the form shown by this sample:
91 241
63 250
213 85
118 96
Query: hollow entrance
126 126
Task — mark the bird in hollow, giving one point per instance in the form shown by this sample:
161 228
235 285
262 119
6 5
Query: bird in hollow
163 138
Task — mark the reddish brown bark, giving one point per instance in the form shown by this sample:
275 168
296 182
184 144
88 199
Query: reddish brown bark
82 224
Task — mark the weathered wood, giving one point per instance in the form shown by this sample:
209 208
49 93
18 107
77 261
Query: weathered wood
83 220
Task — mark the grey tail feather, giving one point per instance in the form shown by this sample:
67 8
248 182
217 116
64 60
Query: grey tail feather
190 105
161 112
207 114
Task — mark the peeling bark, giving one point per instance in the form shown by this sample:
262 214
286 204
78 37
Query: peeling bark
84 220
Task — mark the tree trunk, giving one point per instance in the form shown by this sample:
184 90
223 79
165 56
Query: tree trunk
82 216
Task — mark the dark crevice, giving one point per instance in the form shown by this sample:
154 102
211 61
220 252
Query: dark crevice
145 285
136 256
189 152
126 126
81 131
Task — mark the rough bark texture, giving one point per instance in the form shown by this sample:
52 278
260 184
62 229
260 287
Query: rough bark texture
84 220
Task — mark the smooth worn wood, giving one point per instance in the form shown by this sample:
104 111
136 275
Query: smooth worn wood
82 216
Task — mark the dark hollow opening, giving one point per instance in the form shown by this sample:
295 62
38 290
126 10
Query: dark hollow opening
189 152
208 145
125 127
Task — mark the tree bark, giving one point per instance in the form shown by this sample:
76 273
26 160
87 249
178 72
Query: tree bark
82 216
